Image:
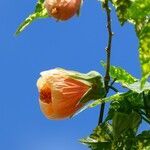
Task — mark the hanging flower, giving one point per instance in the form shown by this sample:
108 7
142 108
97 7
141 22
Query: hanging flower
62 93
62 9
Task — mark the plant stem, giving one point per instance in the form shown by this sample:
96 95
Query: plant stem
113 88
108 51
146 120
144 116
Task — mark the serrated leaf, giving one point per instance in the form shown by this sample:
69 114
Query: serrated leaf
121 7
120 75
40 12
138 10
144 51
131 10
138 13
101 138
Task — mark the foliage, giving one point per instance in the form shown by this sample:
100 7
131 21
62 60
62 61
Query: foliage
103 138
138 13
124 117
119 130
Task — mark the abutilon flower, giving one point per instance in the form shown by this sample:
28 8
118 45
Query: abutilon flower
62 9
61 92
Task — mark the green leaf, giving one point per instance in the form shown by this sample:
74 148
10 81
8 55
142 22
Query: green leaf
138 10
126 141
125 103
104 100
143 140
134 120
144 51
40 12
127 100
120 75
121 7
120 123
131 10
100 139
138 13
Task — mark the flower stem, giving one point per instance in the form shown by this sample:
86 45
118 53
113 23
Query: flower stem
108 53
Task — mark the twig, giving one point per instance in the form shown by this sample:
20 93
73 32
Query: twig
113 82
113 88
108 51
143 115
145 119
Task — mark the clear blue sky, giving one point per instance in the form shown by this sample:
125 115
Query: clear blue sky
77 44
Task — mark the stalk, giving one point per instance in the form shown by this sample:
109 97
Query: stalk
108 57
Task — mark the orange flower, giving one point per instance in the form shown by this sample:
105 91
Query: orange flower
62 9
60 94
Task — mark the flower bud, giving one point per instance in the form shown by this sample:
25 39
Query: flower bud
62 9
62 92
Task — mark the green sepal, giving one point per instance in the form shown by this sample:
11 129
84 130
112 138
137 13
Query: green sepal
96 87
96 83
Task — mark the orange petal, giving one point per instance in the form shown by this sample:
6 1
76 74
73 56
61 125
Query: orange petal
47 109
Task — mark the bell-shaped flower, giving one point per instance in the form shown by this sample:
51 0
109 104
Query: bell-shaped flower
62 92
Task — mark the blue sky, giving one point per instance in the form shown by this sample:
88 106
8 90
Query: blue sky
77 44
